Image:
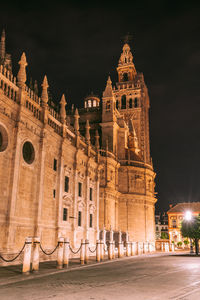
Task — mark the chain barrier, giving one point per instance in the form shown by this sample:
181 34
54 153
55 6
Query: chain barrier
49 252
92 251
20 252
75 252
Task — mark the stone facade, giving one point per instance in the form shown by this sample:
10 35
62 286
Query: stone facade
176 214
73 173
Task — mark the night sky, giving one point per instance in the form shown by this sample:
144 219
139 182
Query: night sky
79 45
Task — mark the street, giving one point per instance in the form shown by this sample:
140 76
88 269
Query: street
159 277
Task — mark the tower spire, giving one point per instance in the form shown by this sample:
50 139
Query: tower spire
87 132
126 68
76 121
3 46
44 96
108 90
62 109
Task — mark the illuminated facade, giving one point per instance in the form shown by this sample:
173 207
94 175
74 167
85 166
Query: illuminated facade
74 173
176 214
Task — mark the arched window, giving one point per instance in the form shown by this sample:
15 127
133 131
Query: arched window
130 103
117 104
125 59
94 103
108 105
136 102
123 102
89 103
85 104
125 77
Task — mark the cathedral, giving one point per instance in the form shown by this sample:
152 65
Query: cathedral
74 172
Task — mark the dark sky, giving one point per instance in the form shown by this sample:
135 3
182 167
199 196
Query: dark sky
78 45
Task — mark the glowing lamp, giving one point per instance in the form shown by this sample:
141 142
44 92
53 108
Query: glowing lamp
188 215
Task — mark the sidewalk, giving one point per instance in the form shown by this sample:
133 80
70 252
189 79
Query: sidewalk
13 274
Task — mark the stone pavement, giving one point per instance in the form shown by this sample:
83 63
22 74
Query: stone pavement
12 274
160 276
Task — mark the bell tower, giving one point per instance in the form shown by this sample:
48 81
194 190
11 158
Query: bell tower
126 69
132 100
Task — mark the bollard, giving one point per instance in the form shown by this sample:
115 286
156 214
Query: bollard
128 252
133 248
82 253
140 248
120 246
104 236
60 253
113 251
127 245
66 253
172 247
102 249
110 252
98 251
27 256
145 247
36 256
120 250
86 251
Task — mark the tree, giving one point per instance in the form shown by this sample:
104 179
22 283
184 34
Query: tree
164 235
191 229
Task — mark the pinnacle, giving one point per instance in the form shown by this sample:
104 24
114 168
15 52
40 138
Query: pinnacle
23 60
87 124
109 80
63 101
45 82
76 112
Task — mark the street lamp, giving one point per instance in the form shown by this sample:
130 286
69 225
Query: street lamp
188 217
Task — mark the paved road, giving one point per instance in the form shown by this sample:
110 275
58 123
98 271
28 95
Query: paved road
145 278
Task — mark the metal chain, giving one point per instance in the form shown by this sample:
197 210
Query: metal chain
49 252
75 252
92 251
10 260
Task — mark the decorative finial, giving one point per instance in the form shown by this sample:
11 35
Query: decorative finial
21 76
87 132
62 109
44 96
76 121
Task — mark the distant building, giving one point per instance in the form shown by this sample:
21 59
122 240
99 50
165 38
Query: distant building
176 215
161 223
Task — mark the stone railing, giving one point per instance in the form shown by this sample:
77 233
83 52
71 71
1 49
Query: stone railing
55 124
125 162
106 153
8 84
